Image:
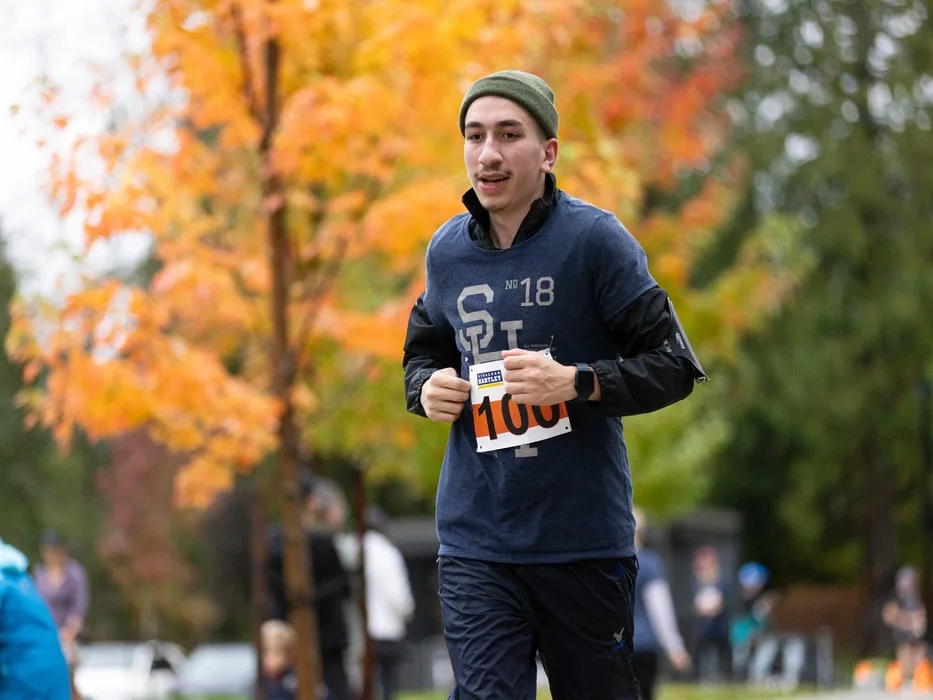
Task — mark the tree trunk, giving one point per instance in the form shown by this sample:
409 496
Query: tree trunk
299 587
878 525
258 598
877 546
368 661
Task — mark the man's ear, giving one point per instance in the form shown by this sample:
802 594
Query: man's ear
550 155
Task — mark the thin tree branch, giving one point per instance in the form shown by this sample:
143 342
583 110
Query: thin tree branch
315 219
326 277
325 281
249 82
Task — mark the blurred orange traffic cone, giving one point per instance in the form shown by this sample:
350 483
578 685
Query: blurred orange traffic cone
893 679
923 676
862 674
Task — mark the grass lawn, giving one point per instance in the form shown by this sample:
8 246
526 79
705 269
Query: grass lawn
667 692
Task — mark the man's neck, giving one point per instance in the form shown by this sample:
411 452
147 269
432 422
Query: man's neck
504 225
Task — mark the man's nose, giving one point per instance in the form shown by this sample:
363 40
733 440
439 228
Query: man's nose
489 155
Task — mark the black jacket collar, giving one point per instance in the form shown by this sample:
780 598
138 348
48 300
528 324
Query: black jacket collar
540 211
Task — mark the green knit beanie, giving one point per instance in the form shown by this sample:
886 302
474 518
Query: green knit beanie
525 89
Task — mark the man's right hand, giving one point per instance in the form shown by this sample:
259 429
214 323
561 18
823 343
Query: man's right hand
444 395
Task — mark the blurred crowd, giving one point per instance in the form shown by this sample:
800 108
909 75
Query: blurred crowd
43 609
730 637
724 645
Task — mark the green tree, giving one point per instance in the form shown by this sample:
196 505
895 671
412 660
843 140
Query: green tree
19 446
835 121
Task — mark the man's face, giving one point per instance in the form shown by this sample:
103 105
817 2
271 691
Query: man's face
506 155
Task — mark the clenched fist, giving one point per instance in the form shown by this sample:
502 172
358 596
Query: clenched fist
444 395
534 378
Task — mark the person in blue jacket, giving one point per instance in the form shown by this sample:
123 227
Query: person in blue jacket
32 664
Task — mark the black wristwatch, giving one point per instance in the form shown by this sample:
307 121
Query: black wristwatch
584 382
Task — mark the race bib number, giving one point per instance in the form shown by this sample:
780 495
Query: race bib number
499 422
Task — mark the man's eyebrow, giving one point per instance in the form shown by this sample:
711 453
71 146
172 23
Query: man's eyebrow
505 123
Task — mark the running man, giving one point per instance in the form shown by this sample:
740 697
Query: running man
533 299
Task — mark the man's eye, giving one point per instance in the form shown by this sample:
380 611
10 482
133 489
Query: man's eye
473 137
510 135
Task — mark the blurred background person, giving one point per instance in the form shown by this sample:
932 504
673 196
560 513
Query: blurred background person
754 619
32 664
759 656
906 617
655 619
711 591
62 582
333 514
389 600
331 582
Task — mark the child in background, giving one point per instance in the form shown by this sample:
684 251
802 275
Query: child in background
278 655
278 658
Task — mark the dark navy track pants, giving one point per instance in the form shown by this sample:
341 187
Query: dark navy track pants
577 616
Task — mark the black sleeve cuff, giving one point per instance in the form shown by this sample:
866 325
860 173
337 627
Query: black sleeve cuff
615 398
413 391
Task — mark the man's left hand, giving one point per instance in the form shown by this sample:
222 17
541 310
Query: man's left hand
533 378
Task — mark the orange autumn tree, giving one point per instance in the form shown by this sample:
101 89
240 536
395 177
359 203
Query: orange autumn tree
290 180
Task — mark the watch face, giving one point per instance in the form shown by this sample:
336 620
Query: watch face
586 381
